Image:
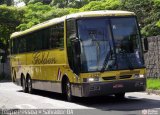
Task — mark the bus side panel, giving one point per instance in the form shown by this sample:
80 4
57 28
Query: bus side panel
53 71
44 68
18 63
34 71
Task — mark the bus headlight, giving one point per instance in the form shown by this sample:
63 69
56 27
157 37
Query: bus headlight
93 79
141 76
138 76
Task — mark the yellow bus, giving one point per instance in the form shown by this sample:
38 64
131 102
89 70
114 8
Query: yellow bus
83 54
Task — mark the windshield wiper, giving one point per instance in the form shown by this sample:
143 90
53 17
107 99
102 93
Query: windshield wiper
107 58
106 61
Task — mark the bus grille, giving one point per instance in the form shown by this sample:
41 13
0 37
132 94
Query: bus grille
109 78
125 77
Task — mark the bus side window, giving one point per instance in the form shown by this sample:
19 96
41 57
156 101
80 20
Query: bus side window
15 48
34 42
45 36
38 38
52 38
61 36
57 36
28 43
22 45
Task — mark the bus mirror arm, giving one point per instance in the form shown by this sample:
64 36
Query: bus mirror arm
145 44
77 51
77 46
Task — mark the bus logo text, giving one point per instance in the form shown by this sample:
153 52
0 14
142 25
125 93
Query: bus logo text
43 58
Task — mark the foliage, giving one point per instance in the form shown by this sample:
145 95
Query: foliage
148 14
157 5
58 3
7 2
42 1
158 23
153 84
61 3
38 12
102 5
10 18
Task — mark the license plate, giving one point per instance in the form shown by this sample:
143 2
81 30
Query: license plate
118 86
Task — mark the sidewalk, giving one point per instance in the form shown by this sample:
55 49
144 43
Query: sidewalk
150 91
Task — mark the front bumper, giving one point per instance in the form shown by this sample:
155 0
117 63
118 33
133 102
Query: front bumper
106 88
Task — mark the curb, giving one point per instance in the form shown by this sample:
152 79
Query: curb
152 91
5 80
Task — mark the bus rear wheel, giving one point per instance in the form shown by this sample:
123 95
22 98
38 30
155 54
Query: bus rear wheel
120 95
68 92
24 85
13 77
29 85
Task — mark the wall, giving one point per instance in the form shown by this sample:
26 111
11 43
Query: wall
152 57
6 69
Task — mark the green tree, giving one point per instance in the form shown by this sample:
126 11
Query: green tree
42 1
70 3
25 1
10 18
38 12
58 3
7 2
102 5
147 11
157 11
148 14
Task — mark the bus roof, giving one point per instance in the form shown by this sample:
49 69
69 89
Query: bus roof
100 13
76 15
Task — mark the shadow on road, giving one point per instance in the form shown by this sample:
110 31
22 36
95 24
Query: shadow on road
107 103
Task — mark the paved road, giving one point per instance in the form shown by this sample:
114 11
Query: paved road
12 97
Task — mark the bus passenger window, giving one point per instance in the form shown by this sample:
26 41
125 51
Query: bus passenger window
57 36
45 36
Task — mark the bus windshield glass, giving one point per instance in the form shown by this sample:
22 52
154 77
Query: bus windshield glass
109 44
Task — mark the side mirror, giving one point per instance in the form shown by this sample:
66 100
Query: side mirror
3 59
140 26
145 44
2 56
77 51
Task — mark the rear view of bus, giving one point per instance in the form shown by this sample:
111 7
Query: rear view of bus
105 51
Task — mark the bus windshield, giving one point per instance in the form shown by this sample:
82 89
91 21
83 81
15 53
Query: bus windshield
109 44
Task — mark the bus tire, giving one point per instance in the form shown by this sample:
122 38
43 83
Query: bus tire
24 85
120 95
68 91
29 85
13 76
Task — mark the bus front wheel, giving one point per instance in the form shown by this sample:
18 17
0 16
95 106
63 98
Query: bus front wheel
68 92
